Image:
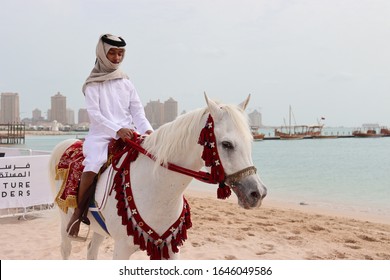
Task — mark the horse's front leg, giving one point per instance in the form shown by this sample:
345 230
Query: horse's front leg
123 250
93 246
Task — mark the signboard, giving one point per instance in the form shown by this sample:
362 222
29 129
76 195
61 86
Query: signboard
24 181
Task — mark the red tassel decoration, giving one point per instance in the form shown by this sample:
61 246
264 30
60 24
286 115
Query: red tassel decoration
149 249
223 191
124 218
153 255
183 232
208 156
156 253
228 191
120 205
188 219
142 244
119 195
120 212
165 252
220 174
179 239
136 237
203 136
174 247
129 228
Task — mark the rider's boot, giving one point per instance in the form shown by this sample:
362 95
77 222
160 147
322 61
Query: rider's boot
84 194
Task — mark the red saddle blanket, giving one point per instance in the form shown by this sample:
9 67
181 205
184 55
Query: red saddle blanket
70 168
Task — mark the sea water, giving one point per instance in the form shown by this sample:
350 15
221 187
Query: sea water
340 174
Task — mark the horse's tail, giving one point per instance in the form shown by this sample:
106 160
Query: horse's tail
55 157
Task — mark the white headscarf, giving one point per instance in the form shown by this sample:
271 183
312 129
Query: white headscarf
104 69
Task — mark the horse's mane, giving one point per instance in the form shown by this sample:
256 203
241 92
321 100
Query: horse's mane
178 136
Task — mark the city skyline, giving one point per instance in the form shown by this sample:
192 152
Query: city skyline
324 58
156 111
61 113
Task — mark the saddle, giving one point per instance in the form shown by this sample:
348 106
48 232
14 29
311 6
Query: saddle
70 168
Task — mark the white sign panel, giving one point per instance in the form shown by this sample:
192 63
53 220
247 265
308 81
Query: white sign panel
24 181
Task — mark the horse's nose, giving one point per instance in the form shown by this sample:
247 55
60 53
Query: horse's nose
263 192
256 195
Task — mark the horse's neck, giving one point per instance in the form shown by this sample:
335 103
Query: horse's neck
158 195
160 183
157 191
160 190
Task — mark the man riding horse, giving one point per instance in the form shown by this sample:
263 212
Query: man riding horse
113 107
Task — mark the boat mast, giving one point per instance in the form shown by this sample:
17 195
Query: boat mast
289 121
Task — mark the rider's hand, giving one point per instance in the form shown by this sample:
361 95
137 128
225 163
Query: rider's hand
124 133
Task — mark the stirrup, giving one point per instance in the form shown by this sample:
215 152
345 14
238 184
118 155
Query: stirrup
77 238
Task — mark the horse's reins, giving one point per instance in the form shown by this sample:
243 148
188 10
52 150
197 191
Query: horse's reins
210 156
200 175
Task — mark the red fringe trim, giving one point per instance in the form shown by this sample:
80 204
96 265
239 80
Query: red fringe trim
149 248
223 191
210 156
165 252
174 247
136 237
188 220
154 251
142 244
179 239
129 228
184 232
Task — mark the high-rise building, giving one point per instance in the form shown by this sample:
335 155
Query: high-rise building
83 116
255 119
70 116
154 111
159 113
36 114
48 114
58 109
9 108
170 110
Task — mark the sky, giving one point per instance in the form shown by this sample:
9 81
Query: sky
324 58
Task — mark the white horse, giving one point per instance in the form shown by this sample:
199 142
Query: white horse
158 190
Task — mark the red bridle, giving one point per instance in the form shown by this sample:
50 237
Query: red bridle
210 156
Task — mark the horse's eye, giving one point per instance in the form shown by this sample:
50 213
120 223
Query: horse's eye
227 145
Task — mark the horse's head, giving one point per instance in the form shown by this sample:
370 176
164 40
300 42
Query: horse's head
234 144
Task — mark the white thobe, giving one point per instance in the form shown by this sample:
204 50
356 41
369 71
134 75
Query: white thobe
111 105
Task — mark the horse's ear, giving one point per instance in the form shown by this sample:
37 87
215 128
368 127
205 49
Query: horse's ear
245 103
214 109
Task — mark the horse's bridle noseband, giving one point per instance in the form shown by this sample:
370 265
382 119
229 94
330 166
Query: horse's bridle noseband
231 179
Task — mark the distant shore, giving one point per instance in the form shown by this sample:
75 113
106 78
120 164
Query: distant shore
44 132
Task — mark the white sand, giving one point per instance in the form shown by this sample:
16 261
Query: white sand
221 231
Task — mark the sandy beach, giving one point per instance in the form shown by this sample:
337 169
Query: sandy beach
221 231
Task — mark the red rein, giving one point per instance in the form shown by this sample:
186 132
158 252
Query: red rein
210 156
